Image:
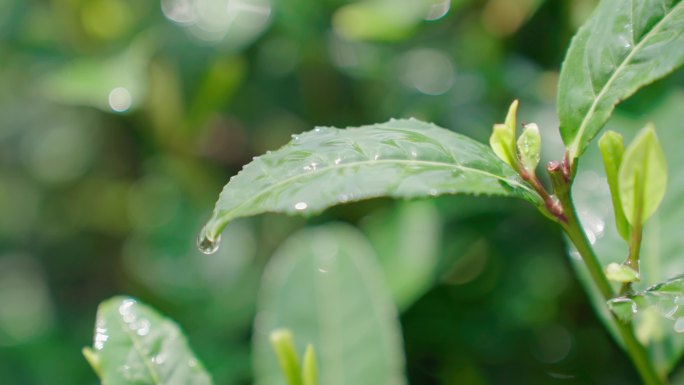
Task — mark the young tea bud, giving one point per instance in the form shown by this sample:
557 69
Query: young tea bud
529 147
502 139
283 346
309 367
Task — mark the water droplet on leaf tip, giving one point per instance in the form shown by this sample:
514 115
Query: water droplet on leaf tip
207 245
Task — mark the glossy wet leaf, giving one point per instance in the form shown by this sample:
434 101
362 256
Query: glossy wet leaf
624 46
407 239
662 254
329 166
324 285
666 298
642 179
135 345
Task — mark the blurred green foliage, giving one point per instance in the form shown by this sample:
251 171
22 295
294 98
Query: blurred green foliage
120 120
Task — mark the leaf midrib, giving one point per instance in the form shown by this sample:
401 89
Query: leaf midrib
580 133
229 214
138 349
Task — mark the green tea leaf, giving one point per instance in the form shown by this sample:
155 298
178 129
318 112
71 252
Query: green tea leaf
329 166
642 178
135 345
324 285
624 46
612 148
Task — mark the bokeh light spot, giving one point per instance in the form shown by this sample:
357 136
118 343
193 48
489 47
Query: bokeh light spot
120 99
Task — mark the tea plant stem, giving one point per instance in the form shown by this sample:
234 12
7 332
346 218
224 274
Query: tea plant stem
573 228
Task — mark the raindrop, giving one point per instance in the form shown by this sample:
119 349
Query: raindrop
120 99
206 244
338 160
142 328
679 325
322 270
624 308
101 337
300 206
159 359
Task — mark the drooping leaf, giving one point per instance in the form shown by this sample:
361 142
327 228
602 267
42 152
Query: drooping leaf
135 345
325 286
624 46
328 166
642 179
662 255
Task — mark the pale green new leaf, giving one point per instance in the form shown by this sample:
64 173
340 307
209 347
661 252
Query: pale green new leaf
529 147
135 345
329 166
642 179
612 149
325 286
625 45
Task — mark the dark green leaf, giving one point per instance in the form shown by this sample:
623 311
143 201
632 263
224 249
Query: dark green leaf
324 285
135 345
624 46
328 166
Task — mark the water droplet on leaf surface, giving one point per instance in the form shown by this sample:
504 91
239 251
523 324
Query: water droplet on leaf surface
624 308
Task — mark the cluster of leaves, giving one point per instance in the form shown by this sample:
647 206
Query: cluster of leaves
409 159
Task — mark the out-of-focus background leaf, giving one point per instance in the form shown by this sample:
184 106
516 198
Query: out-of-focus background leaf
120 120
326 286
